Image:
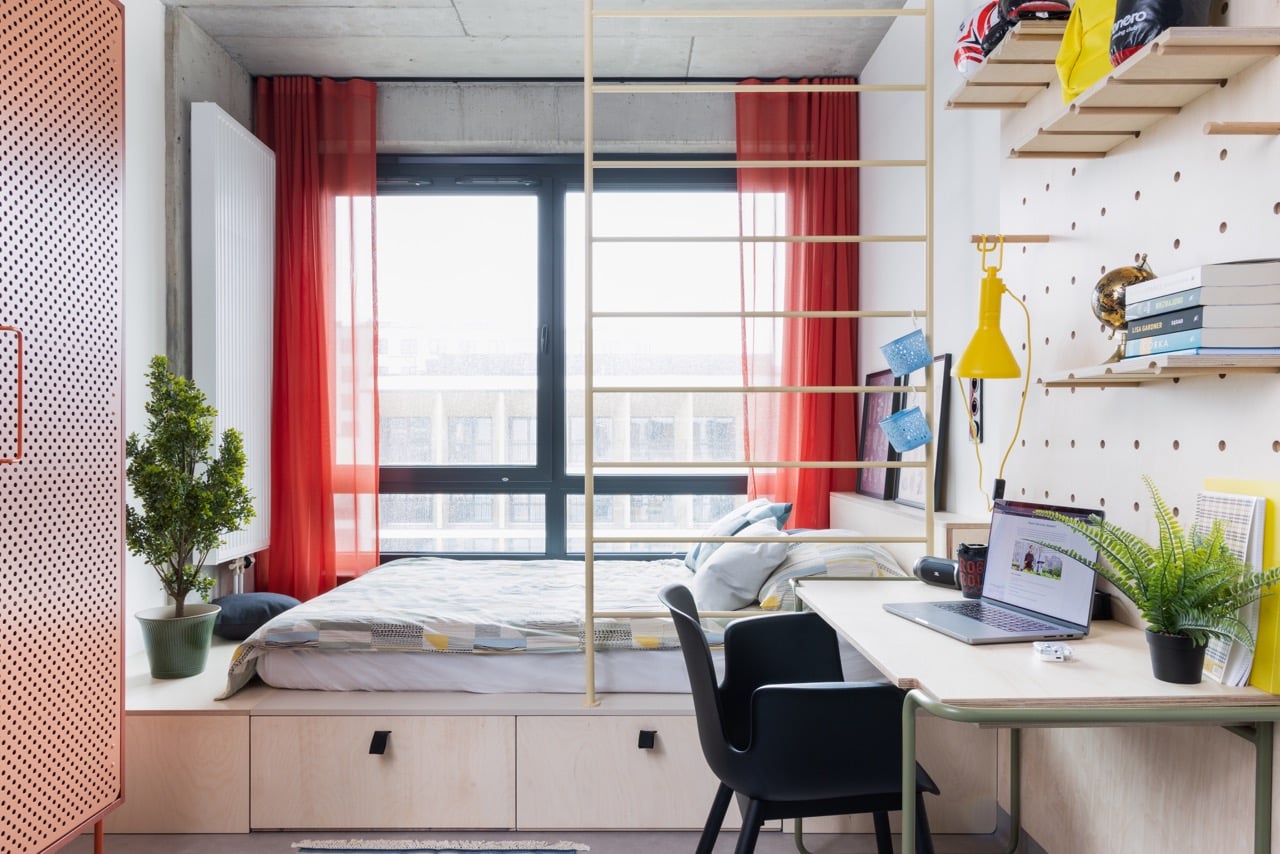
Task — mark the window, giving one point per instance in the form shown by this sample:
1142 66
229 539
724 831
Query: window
653 438
522 440
483 355
470 439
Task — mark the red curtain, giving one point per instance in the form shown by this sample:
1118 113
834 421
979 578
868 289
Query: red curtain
799 276
324 420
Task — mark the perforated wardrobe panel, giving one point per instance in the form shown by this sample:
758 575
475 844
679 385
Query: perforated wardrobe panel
61 501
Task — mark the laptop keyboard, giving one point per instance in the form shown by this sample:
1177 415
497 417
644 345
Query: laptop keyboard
997 617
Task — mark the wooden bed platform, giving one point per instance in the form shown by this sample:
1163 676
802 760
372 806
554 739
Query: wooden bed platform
272 759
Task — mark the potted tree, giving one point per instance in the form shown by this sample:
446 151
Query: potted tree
1188 587
188 499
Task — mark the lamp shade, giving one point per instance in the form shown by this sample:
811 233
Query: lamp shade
988 355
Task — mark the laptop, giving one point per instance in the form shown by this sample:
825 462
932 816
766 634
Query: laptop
1030 592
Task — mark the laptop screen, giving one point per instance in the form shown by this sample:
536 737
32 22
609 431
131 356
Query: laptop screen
1023 573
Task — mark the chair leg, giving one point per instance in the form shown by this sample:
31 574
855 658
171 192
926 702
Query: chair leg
884 838
715 818
751 823
924 841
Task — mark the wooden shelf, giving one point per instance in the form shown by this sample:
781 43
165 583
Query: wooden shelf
1180 65
1149 369
1021 67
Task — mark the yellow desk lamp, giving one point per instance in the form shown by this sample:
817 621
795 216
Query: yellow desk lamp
988 355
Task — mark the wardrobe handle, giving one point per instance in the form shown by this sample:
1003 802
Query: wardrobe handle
378 745
18 334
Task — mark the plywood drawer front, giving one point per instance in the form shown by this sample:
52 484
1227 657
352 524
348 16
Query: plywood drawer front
587 772
437 771
184 774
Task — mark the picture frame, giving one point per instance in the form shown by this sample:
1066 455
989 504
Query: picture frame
911 481
873 444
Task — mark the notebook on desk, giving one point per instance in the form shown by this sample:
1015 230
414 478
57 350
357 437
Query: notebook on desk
1030 592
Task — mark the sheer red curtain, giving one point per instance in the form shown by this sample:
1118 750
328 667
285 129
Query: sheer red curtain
799 276
324 422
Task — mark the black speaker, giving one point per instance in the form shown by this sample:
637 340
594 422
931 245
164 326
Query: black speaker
937 570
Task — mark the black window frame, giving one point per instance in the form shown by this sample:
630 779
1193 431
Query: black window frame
550 178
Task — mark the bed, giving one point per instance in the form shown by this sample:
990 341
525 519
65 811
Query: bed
516 626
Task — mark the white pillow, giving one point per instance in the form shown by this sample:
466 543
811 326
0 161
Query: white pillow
847 560
730 577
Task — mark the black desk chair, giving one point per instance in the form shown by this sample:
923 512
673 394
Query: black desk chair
785 733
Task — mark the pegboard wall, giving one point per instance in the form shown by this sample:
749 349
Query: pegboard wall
61 503
1182 198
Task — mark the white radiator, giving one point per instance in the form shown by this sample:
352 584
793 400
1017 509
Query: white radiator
232 296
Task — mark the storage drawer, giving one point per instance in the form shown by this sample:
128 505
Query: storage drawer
436 771
586 771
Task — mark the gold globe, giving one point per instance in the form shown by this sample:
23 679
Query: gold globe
1108 298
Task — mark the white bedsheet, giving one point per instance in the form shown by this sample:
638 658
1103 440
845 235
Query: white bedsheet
617 671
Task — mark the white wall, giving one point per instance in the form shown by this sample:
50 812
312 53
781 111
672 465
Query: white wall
966 167
1185 199
144 249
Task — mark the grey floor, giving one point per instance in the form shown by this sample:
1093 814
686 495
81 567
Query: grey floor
631 842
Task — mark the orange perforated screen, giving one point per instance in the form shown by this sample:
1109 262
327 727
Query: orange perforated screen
61 498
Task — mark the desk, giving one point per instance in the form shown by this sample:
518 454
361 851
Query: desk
1109 683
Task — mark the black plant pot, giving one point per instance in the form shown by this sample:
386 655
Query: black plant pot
1175 658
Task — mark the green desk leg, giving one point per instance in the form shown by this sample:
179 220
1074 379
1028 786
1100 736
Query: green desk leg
1263 746
909 841
909 773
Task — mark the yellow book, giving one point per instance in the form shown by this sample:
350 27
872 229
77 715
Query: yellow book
1266 656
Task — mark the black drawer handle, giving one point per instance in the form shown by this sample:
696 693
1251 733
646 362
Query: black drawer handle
379 743
648 739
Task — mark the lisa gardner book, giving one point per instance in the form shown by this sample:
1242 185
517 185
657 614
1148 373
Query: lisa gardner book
1208 317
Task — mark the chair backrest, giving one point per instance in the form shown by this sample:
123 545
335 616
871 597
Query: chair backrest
702 675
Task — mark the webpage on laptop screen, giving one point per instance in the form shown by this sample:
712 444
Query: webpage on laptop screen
1022 572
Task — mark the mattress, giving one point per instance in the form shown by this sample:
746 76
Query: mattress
495 626
425 607
616 671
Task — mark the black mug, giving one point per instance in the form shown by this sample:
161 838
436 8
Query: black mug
972 560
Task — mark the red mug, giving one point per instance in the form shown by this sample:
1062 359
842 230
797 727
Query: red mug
972 562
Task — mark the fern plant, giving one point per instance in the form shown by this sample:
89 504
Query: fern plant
1188 584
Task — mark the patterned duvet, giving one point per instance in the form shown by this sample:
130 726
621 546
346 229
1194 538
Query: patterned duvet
436 605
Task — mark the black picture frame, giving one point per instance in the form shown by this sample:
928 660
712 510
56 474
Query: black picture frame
873 444
911 481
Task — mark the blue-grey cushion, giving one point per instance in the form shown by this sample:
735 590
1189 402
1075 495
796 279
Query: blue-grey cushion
733 522
243 613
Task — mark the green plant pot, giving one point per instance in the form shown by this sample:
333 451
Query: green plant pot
1175 658
178 646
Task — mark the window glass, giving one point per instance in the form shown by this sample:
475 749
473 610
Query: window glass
482 361
457 321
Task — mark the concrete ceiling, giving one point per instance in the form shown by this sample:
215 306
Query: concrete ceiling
534 39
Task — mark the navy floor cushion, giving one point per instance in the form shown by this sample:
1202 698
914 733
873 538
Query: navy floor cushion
243 613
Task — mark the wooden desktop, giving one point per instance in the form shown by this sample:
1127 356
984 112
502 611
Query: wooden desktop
1107 682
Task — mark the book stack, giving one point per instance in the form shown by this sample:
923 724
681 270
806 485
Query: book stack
1230 309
